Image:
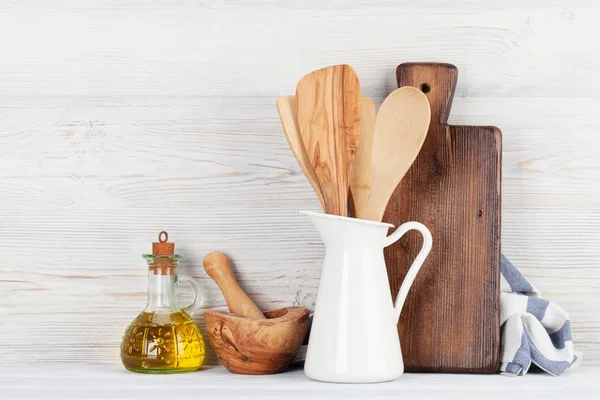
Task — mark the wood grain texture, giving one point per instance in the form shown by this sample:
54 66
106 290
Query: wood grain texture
329 109
257 346
121 118
399 133
360 176
217 266
451 319
288 114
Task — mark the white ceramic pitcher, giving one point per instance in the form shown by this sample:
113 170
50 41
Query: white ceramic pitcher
354 336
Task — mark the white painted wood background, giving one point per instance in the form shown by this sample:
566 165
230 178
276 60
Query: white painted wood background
120 118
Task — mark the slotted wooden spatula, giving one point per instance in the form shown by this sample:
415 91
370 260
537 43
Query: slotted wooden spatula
329 105
400 129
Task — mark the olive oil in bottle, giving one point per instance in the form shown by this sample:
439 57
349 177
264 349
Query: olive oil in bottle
163 339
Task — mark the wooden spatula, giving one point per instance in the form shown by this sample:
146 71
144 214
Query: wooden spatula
286 105
360 177
400 129
329 106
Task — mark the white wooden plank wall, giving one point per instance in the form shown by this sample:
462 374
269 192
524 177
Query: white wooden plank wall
120 118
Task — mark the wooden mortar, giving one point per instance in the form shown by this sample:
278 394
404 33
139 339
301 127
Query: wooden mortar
257 346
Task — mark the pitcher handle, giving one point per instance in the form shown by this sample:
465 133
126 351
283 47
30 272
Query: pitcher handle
193 283
416 265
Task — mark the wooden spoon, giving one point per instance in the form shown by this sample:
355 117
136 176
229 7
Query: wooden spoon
400 129
329 117
286 105
217 266
360 178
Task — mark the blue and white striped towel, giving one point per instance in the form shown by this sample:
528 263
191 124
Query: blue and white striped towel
533 330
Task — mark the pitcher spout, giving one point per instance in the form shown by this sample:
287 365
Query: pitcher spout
350 231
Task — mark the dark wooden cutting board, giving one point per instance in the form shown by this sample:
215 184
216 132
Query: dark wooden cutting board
451 318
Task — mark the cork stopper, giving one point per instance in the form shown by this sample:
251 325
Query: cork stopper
162 247
163 266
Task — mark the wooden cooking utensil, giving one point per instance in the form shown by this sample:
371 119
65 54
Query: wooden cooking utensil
450 321
286 106
400 129
360 176
329 109
217 266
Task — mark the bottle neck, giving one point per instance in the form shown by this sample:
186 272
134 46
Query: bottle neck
161 287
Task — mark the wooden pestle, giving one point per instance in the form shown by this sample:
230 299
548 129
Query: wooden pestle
217 266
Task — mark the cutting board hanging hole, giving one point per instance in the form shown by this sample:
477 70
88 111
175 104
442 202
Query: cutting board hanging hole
425 88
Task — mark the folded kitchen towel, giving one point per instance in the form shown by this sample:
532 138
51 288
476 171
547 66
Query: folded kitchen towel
533 330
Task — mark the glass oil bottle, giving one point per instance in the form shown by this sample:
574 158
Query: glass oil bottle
163 339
